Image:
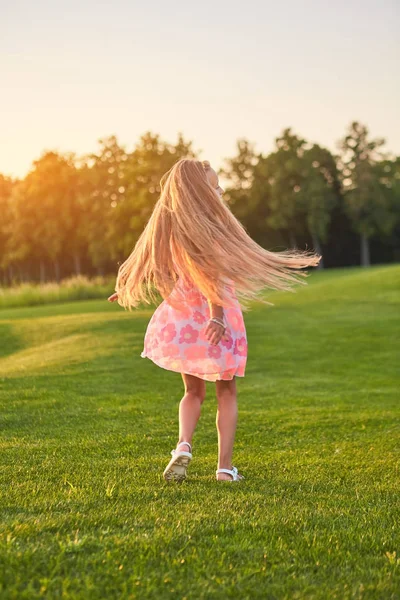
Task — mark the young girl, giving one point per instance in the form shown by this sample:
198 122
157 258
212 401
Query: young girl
198 256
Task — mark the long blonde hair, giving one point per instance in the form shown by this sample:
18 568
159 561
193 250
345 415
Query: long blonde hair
192 234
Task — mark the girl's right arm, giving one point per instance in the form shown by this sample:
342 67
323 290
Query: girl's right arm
216 311
214 331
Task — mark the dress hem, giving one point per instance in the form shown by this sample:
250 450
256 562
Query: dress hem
196 374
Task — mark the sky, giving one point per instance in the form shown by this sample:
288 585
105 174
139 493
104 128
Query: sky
216 71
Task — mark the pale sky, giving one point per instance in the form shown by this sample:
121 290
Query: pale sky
216 71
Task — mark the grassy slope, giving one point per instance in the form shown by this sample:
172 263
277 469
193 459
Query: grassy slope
87 427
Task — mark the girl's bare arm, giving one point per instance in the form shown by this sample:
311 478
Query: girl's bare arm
216 310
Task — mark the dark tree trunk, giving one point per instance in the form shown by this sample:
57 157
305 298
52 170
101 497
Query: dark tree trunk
365 257
42 272
317 248
77 262
11 274
292 240
57 270
28 271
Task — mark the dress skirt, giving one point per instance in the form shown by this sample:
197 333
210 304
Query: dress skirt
175 337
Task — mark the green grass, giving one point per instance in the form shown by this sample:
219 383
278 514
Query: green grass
78 287
87 427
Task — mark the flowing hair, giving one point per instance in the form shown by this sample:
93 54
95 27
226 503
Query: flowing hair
193 235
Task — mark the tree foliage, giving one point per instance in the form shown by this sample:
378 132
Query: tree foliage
84 214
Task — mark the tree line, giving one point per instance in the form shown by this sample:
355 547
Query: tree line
83 215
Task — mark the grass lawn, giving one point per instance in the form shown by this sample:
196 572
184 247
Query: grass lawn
87 426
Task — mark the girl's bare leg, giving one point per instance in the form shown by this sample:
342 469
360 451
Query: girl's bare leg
190 408
226 421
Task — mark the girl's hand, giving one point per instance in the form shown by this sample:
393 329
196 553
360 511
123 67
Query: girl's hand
214 332
113 297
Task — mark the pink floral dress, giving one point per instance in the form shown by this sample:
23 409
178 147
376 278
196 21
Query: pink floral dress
175 339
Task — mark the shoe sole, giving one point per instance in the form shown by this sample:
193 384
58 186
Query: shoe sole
176 471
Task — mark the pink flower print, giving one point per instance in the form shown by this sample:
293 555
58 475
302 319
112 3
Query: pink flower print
180 308
188 335
213 367
227 340
234 318
167 333
153 344
195 352
202 334
198 317
171 350
193 298
230 360
228 374
241 369
185 312
162 317
214 351
175 365
240 347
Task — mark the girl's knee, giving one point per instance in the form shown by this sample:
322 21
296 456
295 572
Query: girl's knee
194 386
226 390
196 391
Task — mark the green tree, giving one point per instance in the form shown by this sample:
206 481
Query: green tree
6 186
283 171
146 164
319 193
242 189
368 201
121 189
40 209
288 194
103 184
